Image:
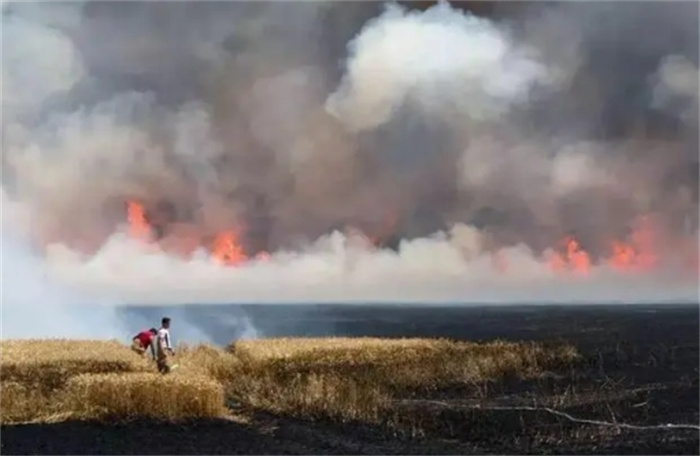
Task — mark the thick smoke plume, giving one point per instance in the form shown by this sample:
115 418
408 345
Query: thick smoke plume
448 158
436 59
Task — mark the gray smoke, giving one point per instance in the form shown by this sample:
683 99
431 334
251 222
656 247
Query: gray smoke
455 139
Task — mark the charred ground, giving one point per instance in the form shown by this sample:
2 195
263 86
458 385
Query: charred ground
639 366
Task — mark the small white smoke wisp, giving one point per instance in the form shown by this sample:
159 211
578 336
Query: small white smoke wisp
438 59
242 327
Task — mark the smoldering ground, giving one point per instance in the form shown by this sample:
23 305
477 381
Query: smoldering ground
290 123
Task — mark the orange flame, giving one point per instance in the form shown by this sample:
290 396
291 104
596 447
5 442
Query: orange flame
227 250
579 259
623 255
635 255
139 228
574 258
638 254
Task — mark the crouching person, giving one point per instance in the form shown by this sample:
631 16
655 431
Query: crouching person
143 341
164 350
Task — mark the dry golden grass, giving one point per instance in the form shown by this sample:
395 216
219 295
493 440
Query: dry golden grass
42 379
405 363
145 395
207 360
47 365
336 378
19 403
358 378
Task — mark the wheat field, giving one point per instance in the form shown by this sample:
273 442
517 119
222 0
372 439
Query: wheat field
337 378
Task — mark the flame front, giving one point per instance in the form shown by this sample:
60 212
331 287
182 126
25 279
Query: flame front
139 228
574 258
637 254
227 250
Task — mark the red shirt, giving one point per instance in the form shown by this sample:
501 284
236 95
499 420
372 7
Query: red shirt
145 337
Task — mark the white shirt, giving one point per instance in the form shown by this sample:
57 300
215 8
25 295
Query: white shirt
164 338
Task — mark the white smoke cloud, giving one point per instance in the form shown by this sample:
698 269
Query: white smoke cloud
34 306
574 168
449 267
41 62
440 58
677 80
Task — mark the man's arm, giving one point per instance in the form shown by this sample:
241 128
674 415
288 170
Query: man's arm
153 348
167 342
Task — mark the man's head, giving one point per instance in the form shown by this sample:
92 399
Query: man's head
153 331
165 322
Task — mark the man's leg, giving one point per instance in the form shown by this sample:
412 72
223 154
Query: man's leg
163 365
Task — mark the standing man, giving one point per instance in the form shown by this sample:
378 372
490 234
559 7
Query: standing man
163 347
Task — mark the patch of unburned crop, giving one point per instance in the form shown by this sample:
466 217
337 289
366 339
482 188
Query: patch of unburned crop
359 378
46 365
145 395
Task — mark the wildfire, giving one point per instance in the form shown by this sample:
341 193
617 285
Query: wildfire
227 250
139 228
638 254
574 258
623 255
635 254
626 257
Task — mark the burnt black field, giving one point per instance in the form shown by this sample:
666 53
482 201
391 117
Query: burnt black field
639 367
577 323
